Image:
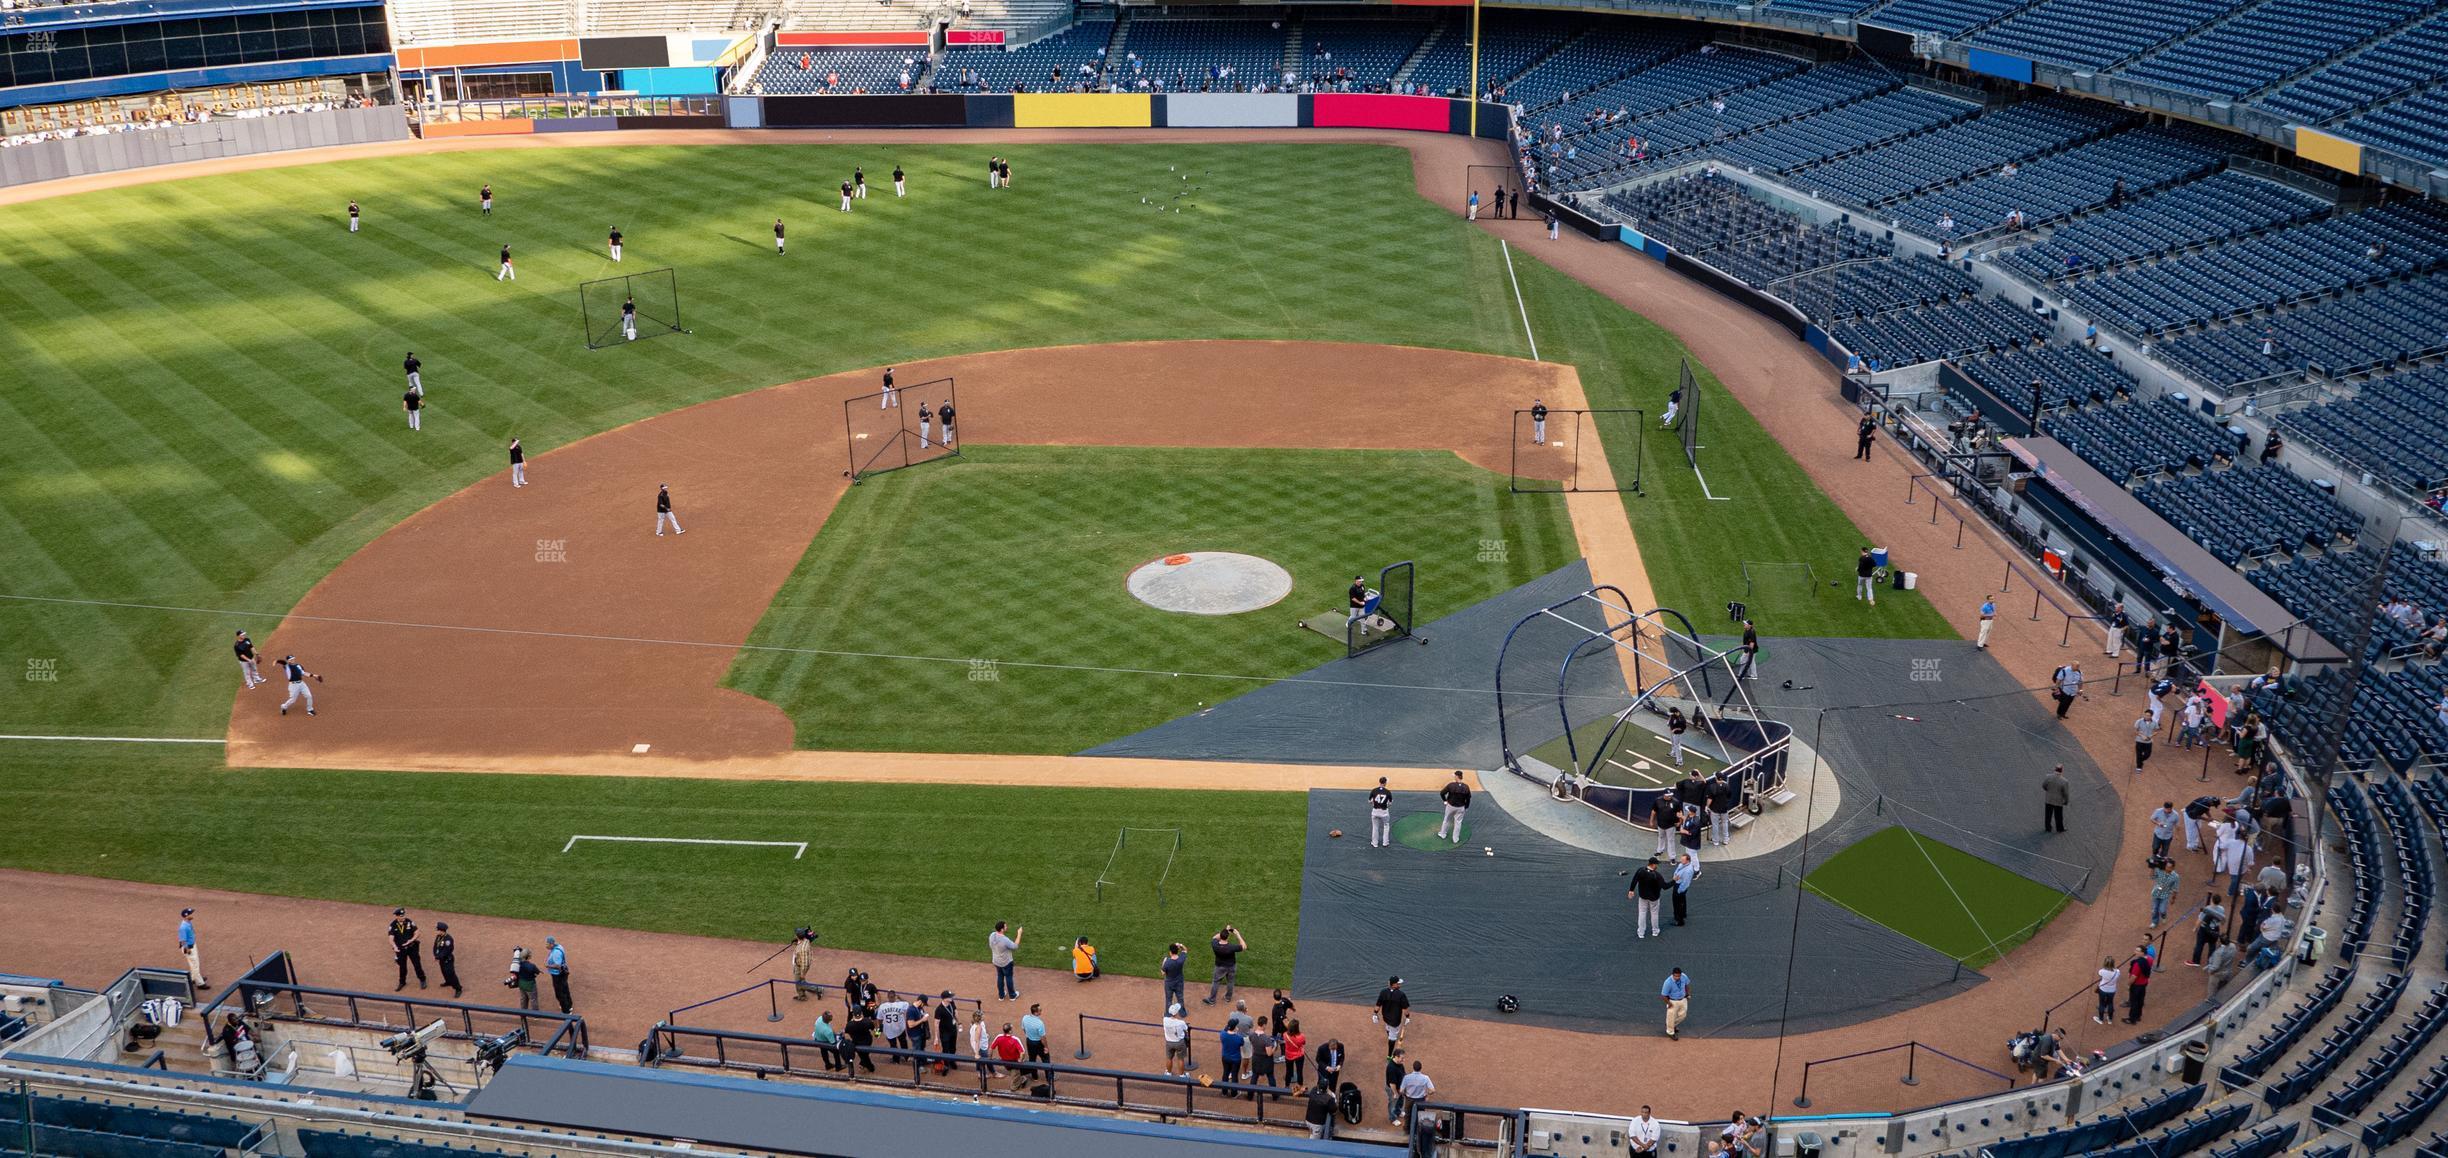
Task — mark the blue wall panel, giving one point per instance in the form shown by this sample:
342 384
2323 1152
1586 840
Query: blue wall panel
670 81
80 90
1998 64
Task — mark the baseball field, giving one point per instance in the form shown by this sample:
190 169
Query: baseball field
201 430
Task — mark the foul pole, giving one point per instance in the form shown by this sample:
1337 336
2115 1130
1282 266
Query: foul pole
1473 94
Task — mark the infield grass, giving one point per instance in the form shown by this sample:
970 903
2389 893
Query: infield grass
895 868
1019 553
1937 894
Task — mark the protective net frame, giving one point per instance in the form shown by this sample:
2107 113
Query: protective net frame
1391 618
657 292
1486 180
885 438
1571 429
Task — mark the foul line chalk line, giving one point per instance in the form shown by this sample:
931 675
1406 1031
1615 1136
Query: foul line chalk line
1517 299
800 845
118 739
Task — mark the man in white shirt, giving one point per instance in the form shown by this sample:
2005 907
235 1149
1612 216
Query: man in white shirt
1642 1135
1416 1087
892 1021
1176 1041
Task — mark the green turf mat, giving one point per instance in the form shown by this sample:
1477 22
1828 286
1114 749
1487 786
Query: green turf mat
1945 898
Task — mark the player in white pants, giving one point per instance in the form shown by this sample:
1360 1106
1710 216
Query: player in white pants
890 396
1381 815
297 676
663 512
507 270
858 177
353 217
925 416
1457 796
247 671
518 464
900 183
629 319
777 235
614 241
1538 422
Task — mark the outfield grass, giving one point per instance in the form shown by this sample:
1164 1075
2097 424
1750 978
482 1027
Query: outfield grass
1937 894
1020 553
896 868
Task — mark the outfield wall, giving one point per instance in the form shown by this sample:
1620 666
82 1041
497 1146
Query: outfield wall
1055 110
227 137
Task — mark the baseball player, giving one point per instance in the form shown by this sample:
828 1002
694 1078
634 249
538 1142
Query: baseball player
1538 422
900 188
247 671
416 380
858 177
663 512
353 215
484 199
1456 796
507 270
614 240
1005 176
845 196
943 414
297 675
1359 602
777 235
629 318
1381 815
925 416
994 172
518 464
890 396
414 402
1674 405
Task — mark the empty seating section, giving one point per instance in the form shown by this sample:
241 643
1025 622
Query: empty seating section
2396 427
2184 1137
1712 219
109 1130
609 17
1687 79
2397 812
1845 129
2291 1028
1510 41
435 21
1027 68
1605 53
2356 332
1368 50
2097 33
333 1144
1914 164
2251 513
2313 1068
2264 44
1195 55
2050 187
2395 716
2219 207
1600 152
1876 287
2262 1143
2401 1119
2408 61
1913 336
2285 267
2401 1050
2416 126
1829 8
838 71
1952 17
2139 438
2068 376
2104 1131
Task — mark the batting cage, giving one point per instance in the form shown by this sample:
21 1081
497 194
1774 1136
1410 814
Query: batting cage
656 293
903 427
1485 180
1578 450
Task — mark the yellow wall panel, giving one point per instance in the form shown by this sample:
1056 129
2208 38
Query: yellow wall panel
1084 110
2336 152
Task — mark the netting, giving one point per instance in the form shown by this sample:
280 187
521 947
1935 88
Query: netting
656 293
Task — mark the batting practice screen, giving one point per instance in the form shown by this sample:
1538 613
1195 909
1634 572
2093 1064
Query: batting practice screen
1688 422
1388 614
903 426
657 294
1578 450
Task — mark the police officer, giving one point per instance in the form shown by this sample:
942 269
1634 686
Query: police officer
446 957
406 949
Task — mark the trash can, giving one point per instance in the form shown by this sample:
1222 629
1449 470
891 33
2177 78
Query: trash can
1907 580
2196 1059
2315 944
1807 1145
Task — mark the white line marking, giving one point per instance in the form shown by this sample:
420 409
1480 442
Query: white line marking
1704 488
801 845
119 739
1517 300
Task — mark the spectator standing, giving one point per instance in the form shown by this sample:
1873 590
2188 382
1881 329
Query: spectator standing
556 967
1176 1041
2146 728
2137 982
1228 944
1262 1047
1295 1052
861 1030
2164 882
1033 1027
2069 681
1394 1076
1687 870
947 1032
1003 950
2055 794
1648 884
1006 1050
187 946
1175 958
1416 1088
1677 994
1229 1043
1320 1112
2163 826
2208 927
1641 1135
981 1043
2106 988
1330 1059
1393 1010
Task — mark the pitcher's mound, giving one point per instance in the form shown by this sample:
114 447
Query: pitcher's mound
1210 583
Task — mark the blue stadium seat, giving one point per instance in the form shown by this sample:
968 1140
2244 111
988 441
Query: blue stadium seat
2263 44
838 71
2408 61
1031 67
2096 33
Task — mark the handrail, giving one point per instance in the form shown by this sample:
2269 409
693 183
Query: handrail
1911 1066
569 1034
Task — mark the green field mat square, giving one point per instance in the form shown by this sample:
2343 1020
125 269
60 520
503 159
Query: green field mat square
1945 898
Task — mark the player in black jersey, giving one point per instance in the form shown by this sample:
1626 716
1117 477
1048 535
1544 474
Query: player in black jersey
507 270
858 177
845 191
244 649
484 200
900 183
629 318
777 235
1381 815
1538 422
353 217
614 240
943 414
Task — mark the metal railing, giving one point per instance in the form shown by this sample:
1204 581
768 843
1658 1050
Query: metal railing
1912 1073
557 106
466 1021
772 987
1161 1095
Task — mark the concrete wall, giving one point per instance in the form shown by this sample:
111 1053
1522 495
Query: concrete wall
52 160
